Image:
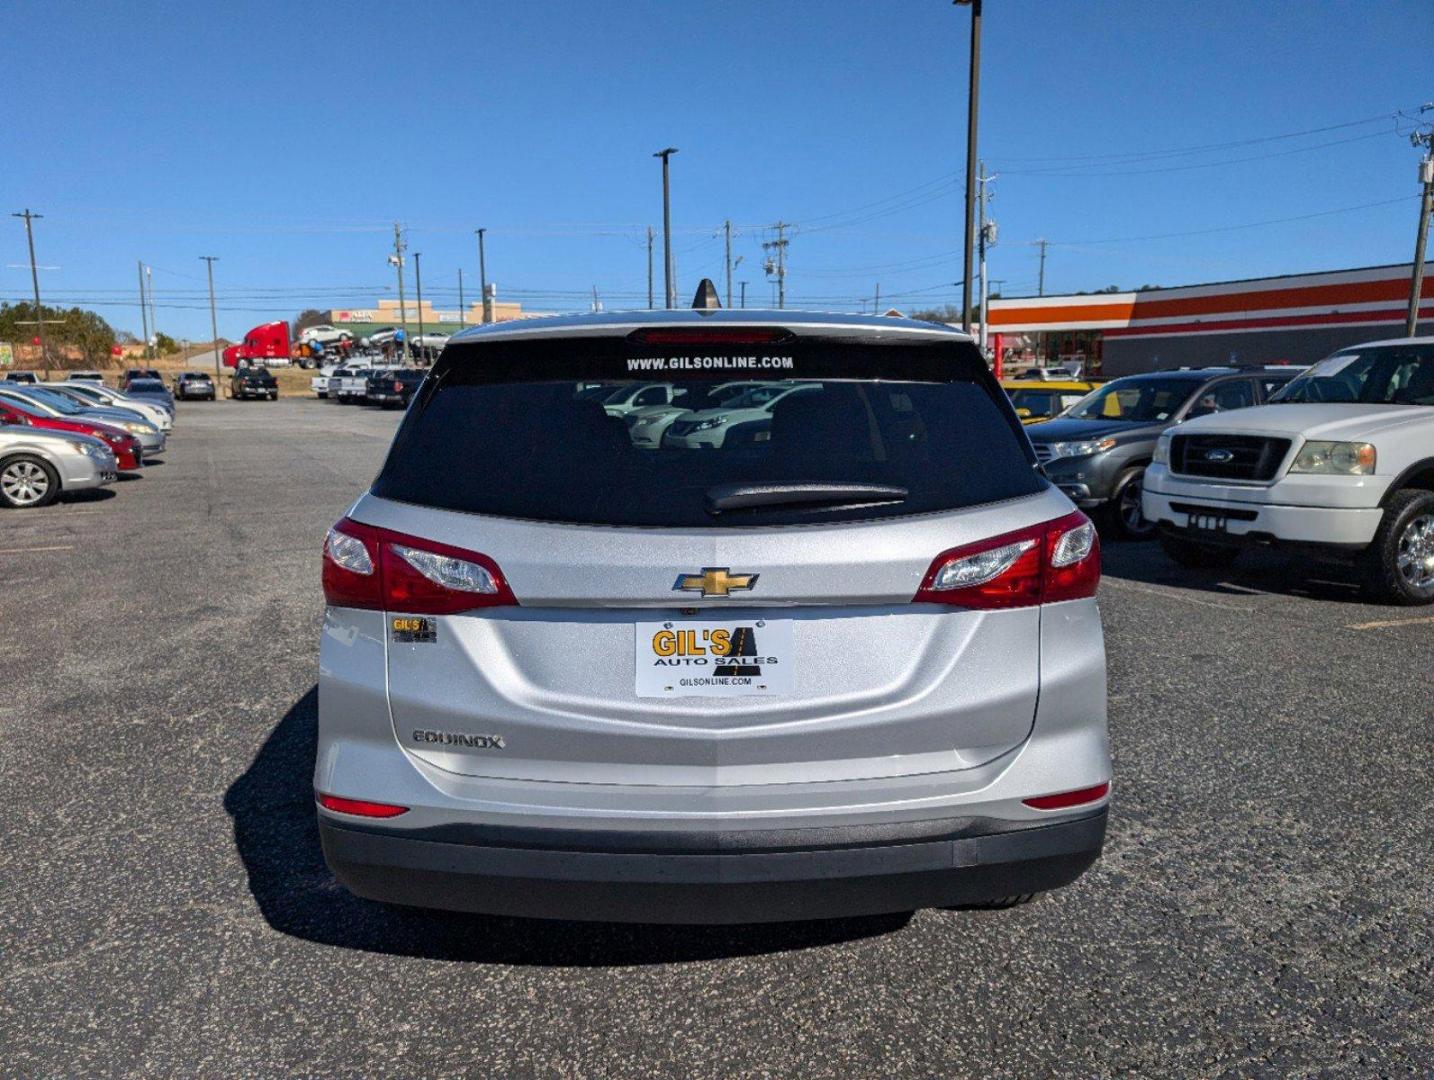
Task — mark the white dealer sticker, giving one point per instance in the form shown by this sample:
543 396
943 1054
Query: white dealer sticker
714 658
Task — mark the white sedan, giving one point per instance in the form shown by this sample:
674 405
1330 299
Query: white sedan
325 334
709 428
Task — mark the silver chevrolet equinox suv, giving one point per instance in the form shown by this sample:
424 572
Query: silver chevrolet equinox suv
845 660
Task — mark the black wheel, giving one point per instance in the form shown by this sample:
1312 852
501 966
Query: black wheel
1130 520
1399 564
27 482
1194 554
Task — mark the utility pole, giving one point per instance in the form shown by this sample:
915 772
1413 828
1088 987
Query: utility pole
210 260
728 226
397 260
461 322
744 292
1041 279
667 224
777 265
418 285
143 307
973 95
987 238
35 281
649 268
597 304
483 277
1421 238
876 302
153 308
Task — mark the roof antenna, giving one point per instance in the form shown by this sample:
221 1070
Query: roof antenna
706 298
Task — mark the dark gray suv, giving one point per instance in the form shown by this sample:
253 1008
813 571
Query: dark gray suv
1097 452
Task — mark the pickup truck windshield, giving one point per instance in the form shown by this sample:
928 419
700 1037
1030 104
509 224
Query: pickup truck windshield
1385 375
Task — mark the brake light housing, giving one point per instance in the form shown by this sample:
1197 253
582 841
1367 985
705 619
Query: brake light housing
381 570
1042 564
1064 800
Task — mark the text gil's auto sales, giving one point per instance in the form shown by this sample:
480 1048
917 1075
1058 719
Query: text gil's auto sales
1293 319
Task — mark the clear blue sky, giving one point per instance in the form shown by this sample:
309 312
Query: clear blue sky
287 139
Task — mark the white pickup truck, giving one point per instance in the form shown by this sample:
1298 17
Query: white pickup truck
1339 466
319 381
348 385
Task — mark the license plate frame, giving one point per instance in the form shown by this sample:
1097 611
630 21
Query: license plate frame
714 657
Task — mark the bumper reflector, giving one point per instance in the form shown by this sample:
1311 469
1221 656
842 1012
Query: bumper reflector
360 807
1069 798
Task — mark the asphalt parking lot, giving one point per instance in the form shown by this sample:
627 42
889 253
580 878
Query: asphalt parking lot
1264 907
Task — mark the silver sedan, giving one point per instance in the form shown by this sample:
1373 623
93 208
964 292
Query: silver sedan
36 466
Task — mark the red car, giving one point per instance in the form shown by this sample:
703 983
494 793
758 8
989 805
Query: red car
126 447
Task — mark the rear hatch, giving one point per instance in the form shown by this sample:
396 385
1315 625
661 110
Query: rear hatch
734 615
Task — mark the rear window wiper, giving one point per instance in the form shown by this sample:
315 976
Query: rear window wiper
725 497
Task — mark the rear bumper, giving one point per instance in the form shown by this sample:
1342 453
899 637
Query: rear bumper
713 878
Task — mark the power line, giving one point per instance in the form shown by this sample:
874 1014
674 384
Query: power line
1145 155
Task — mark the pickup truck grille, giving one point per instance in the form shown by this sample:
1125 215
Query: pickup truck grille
1227 457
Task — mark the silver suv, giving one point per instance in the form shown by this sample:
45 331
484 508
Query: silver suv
847 661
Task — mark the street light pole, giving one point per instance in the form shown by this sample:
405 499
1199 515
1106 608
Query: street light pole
483 277
418 287
210 260
972 103
666 224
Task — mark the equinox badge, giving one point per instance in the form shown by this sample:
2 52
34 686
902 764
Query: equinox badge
714 581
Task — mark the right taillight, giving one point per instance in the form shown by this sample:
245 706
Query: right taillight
369 567
1056 560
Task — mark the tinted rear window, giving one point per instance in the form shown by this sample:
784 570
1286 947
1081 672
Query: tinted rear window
524 430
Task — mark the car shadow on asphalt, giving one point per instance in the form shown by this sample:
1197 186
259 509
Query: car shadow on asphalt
275 831
89 495
1255 571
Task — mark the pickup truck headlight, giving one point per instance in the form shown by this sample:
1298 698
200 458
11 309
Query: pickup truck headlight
1161 455
1335 459
1079 448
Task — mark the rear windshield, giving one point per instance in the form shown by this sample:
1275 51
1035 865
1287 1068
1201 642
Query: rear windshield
824 431
146 386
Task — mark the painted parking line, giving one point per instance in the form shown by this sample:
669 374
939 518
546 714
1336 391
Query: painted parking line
1171 594
1381 624
26 551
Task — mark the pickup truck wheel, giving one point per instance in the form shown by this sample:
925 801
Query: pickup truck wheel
27 482
1130 520
1399 564
1196 555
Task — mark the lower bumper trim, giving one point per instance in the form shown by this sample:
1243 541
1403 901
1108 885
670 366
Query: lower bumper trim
711 887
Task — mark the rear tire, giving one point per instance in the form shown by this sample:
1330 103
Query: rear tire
1399 563
28 482
1195 555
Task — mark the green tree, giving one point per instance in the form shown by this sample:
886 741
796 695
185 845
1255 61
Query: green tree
166 345
66 331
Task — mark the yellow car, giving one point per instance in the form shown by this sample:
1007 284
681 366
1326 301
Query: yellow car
1041 399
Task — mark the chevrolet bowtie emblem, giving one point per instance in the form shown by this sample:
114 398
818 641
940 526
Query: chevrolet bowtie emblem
714 581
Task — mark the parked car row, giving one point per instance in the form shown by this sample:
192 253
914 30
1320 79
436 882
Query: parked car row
78 434
384 386
1333 463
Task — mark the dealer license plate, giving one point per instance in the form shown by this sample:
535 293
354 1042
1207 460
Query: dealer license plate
714 658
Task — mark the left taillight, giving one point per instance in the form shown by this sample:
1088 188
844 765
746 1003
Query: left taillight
369 567
1056 560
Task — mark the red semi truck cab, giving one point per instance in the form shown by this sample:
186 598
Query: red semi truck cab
264 344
